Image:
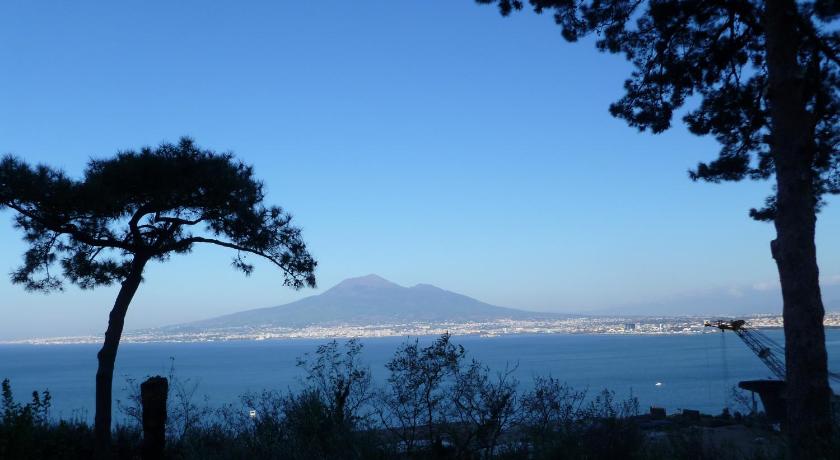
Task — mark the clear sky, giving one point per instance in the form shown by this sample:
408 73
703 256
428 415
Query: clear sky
425 141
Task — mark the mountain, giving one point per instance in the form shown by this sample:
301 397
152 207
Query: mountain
370 300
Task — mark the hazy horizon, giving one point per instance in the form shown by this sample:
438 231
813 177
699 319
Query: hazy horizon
711 303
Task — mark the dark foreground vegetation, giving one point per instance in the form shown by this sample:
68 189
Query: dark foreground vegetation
435 403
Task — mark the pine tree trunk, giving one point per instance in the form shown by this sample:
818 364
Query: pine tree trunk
808 394
108 354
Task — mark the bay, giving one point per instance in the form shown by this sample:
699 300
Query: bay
673 371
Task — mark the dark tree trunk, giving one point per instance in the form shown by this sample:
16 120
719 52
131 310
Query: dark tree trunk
808 394
108 354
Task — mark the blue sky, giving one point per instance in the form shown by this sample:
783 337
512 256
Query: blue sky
425 141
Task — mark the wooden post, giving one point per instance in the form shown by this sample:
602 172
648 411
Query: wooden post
153 394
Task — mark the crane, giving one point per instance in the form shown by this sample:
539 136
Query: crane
759 343
764 347
770 391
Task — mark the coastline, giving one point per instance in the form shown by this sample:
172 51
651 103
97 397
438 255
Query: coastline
583 325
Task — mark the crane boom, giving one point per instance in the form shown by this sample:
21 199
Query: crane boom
760 344
764 347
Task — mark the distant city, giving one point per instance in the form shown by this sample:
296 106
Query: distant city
648 325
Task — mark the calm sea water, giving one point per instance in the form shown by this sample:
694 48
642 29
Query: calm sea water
695 371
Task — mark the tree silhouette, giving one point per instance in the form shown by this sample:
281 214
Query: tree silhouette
135 208
765 77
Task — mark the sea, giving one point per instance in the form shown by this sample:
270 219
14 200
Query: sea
684 371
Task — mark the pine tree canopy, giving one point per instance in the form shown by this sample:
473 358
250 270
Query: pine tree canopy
146 205
710 55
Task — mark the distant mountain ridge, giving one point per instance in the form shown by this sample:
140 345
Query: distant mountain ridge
732 301
370 300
